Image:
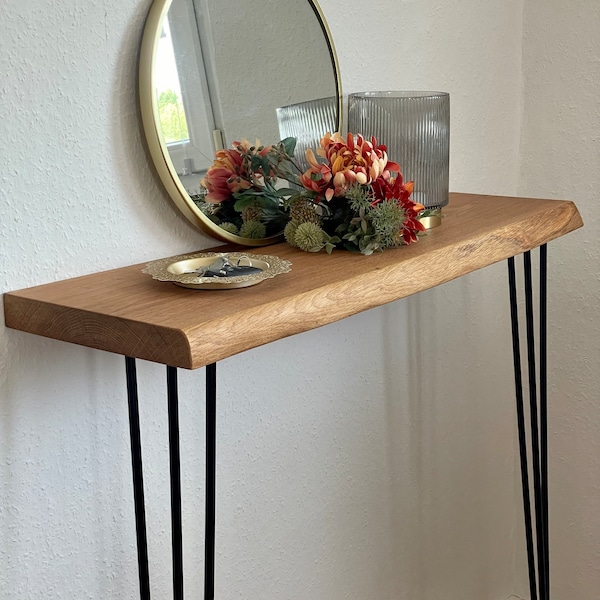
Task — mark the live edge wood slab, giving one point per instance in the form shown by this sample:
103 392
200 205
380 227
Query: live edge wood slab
127 312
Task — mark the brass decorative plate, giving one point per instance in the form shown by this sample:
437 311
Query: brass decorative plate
217 271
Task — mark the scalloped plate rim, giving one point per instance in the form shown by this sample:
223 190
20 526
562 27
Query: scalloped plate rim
159 270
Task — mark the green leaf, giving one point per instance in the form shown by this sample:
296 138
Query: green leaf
282 192
350 247
259 164
289 145
247 193
245 201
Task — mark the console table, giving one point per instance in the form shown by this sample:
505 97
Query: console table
127 312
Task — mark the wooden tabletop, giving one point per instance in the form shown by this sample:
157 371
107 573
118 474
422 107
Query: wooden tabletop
127 312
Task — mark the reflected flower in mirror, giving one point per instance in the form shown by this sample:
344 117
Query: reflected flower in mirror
247 188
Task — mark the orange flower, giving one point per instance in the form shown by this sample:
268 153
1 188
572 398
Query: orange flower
231 172
222 179
349 161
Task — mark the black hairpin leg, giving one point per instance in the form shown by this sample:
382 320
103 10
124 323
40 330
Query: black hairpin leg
211 460
138 480
175 472
174 454
544 407
175 477
539 582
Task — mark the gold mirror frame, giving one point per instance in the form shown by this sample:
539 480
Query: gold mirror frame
156 144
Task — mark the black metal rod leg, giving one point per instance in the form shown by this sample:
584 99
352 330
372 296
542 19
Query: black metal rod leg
514 314
175 471
138 480
544 408
535 430
211 459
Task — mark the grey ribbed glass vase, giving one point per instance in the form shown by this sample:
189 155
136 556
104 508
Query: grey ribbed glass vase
308 122
415 127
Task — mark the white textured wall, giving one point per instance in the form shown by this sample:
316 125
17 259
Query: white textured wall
373 458
561 159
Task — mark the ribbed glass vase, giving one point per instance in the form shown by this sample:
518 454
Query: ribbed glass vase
308 122
415 127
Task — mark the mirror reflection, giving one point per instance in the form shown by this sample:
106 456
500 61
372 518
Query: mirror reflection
221 72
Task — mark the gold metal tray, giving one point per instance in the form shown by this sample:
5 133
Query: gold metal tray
186 270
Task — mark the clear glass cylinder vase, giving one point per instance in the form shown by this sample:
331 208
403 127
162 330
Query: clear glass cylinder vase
415 127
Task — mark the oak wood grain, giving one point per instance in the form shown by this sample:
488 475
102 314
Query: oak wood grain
127 312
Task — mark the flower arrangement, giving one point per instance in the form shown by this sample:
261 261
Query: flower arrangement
244 196
358 197
350 197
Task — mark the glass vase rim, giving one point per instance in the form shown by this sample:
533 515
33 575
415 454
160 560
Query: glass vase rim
399 94
307 102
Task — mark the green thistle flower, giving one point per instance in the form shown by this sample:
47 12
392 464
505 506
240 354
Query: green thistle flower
310 237
359 198
253 230
387 219
229 227
290 232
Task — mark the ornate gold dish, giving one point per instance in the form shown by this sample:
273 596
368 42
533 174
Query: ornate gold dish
217 271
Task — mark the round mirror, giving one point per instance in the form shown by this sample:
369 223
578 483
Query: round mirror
215 72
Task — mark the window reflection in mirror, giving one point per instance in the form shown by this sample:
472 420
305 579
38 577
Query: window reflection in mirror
251 57
171 112
183 99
